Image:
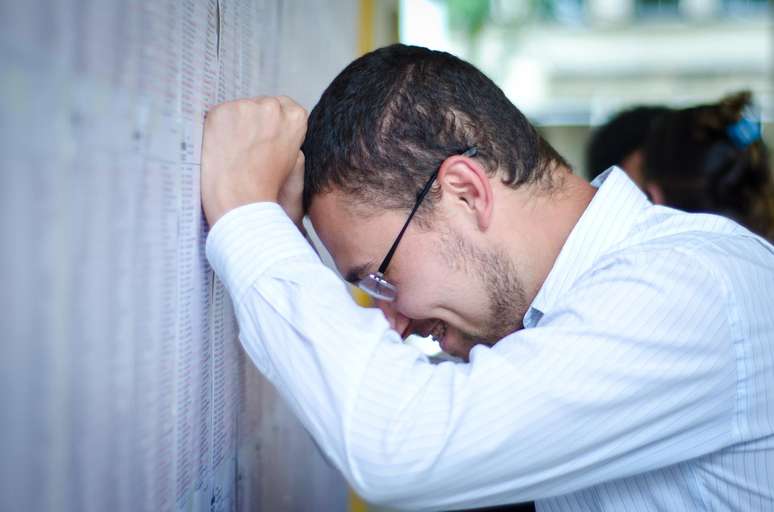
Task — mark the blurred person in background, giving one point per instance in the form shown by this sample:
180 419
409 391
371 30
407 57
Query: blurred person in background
621 142
711 159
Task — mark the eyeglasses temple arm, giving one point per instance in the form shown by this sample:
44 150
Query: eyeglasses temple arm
420 198
470 152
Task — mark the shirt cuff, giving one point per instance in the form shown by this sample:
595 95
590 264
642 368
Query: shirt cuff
247 241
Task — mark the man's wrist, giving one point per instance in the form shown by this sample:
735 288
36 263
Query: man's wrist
236 245
233 202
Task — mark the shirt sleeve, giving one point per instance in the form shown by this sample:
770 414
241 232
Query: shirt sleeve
620 378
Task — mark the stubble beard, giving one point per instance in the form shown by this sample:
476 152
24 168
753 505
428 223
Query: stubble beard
506 296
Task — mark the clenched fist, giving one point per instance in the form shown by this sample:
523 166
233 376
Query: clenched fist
251 153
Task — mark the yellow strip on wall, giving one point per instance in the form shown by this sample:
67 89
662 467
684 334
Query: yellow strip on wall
366 29
362 298
365 43
356 503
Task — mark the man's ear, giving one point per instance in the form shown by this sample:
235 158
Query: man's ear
465 183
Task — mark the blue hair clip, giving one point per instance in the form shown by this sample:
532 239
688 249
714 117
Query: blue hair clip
745 131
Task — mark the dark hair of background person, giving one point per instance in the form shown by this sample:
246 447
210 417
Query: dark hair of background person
392 116
700 167
614 141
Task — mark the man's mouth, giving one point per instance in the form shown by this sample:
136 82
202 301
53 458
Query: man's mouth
438 333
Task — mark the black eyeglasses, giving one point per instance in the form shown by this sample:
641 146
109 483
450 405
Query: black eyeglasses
374 284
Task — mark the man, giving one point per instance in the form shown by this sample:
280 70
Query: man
620 355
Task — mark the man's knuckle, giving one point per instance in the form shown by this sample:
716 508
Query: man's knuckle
298 112
269 106
214 114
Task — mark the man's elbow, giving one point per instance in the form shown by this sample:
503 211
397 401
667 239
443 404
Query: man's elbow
396 492
394 480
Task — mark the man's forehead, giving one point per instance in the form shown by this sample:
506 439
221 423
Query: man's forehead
330 213
336 200
350 236
340 213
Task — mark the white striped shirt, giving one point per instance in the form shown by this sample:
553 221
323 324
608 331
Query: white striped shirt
644 379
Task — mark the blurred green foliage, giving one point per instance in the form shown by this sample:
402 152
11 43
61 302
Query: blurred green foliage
468 16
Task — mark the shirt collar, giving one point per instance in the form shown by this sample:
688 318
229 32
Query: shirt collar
605 222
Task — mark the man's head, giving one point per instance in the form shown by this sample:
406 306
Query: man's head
380 130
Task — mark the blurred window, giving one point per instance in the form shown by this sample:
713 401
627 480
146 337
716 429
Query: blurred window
657 8
745 7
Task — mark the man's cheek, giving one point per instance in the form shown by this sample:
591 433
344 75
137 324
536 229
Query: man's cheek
408 306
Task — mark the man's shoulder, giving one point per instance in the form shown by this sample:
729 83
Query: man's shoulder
668 244
707 238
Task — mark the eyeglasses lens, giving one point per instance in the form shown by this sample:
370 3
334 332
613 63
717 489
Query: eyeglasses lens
377 287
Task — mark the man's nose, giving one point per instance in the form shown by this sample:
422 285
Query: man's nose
397 321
